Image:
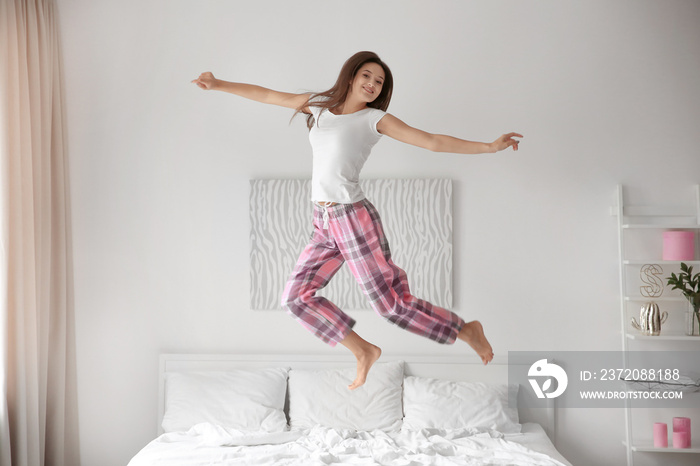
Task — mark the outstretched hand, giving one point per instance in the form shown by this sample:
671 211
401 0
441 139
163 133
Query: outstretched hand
506 141
205 81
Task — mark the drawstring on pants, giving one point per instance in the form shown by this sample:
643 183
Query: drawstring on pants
326 216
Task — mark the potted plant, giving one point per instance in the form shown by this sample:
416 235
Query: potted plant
690 287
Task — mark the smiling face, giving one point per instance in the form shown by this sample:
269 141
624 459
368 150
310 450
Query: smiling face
368 82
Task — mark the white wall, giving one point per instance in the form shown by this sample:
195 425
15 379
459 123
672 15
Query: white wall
604 92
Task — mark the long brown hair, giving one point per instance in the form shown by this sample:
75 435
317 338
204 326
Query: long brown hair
337 94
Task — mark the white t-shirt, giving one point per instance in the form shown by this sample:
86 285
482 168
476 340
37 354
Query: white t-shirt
341 145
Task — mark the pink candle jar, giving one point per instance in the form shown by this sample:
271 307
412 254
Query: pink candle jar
660 435
681 440
681 432
679 246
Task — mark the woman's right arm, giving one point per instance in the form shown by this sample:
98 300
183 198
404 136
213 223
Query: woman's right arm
208 82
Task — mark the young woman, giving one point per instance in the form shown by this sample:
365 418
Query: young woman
345 122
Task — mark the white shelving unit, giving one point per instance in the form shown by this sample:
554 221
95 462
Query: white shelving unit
649 220
664 450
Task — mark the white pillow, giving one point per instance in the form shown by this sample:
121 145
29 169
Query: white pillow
434 403
323 398
240 399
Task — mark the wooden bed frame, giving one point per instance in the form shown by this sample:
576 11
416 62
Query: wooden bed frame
440 367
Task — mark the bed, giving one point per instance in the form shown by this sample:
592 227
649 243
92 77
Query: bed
297 410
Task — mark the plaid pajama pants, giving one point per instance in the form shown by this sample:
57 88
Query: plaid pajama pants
353 233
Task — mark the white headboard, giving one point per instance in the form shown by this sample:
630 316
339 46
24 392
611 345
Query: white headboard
448 368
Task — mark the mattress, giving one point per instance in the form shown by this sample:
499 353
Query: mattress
207 444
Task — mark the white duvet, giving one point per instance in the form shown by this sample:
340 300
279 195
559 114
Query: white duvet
207 444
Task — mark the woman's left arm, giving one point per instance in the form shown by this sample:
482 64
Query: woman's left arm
397 129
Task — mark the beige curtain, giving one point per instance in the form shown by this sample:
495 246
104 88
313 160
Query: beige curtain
38 422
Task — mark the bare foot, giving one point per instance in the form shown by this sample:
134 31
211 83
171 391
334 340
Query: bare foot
473 333
366 354
364 364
